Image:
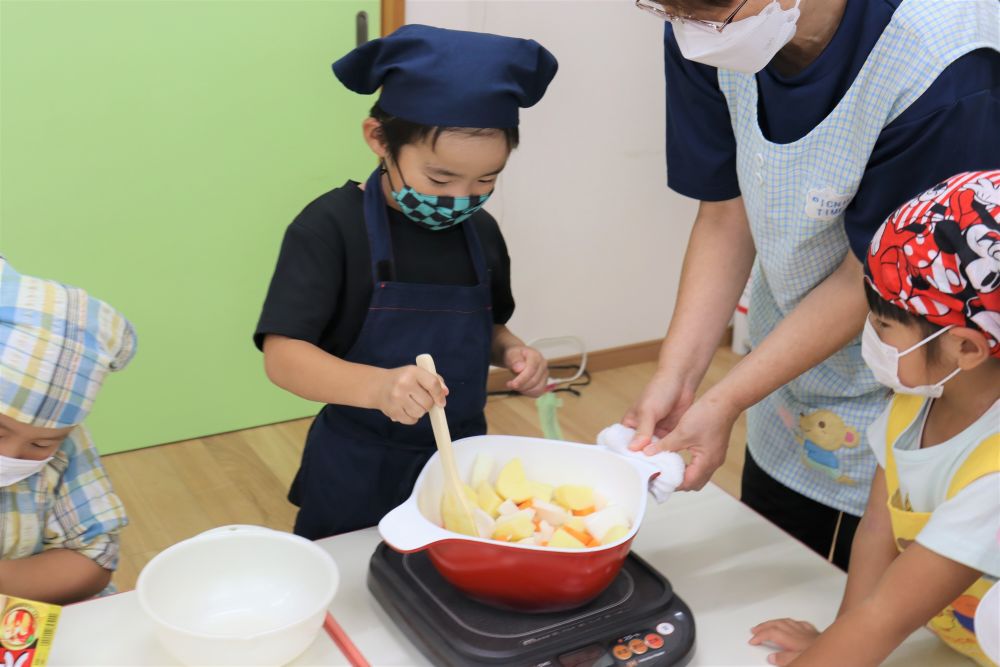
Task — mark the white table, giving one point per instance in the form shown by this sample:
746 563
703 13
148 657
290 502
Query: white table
733 568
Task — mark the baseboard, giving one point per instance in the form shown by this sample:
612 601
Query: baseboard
598 360
727 338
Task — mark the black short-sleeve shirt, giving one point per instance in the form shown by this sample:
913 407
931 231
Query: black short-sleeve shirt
323 282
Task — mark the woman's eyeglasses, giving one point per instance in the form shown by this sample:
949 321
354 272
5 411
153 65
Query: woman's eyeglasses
656 9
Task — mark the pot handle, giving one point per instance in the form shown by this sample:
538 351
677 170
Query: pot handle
647 469
665 468
406 530
639 461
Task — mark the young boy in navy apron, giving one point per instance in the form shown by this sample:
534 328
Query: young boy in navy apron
926 550
371 276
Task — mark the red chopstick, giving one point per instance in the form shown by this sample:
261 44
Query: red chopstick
344 642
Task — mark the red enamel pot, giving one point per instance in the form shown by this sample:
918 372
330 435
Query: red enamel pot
523 577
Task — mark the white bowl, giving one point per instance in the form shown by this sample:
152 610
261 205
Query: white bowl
238 595
987 623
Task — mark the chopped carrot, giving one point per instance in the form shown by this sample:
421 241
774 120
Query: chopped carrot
583 536
585 511
594 542
537 522
527 504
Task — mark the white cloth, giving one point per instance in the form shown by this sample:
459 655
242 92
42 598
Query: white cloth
963 528
617 438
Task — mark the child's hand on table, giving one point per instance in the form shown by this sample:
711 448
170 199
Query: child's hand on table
408 393
529 367
790 636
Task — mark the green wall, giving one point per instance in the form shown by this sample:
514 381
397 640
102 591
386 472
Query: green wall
153 152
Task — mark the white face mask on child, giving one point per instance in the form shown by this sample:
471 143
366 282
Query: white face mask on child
883 360
13 471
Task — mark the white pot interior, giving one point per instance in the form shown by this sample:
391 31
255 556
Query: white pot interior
620 480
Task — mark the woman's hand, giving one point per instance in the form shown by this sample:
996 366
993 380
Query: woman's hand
658 409
703 431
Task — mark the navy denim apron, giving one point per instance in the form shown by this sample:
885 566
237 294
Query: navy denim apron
358 464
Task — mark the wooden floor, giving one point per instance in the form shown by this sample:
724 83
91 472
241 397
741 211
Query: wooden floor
175 491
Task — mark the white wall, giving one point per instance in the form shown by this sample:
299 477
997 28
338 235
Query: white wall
596 239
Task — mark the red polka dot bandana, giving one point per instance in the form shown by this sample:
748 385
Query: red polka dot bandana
938 255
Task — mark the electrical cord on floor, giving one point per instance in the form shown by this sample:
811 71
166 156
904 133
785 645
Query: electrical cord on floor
571 388
583 381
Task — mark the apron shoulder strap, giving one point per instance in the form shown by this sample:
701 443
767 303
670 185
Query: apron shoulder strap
377 225
984 460
476 252
903 411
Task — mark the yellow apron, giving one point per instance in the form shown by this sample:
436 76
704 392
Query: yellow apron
954 625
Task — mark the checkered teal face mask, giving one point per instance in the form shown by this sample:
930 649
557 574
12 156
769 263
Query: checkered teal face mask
436 212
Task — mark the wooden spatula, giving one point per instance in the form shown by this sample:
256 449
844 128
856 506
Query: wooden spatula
455 505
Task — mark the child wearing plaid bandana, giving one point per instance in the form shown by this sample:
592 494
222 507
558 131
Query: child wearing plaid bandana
926 550
59 517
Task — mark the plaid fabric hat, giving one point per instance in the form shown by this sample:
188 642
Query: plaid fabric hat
938 255
56 345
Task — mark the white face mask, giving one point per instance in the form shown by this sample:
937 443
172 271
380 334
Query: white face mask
883 359
747 45
13 471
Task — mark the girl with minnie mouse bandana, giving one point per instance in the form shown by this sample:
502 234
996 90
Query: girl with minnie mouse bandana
926 549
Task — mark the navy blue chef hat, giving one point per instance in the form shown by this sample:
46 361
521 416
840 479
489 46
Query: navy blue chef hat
450 78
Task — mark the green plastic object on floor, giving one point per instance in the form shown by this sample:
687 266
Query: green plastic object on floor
548 404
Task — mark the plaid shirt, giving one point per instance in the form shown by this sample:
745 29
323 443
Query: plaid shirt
68 505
